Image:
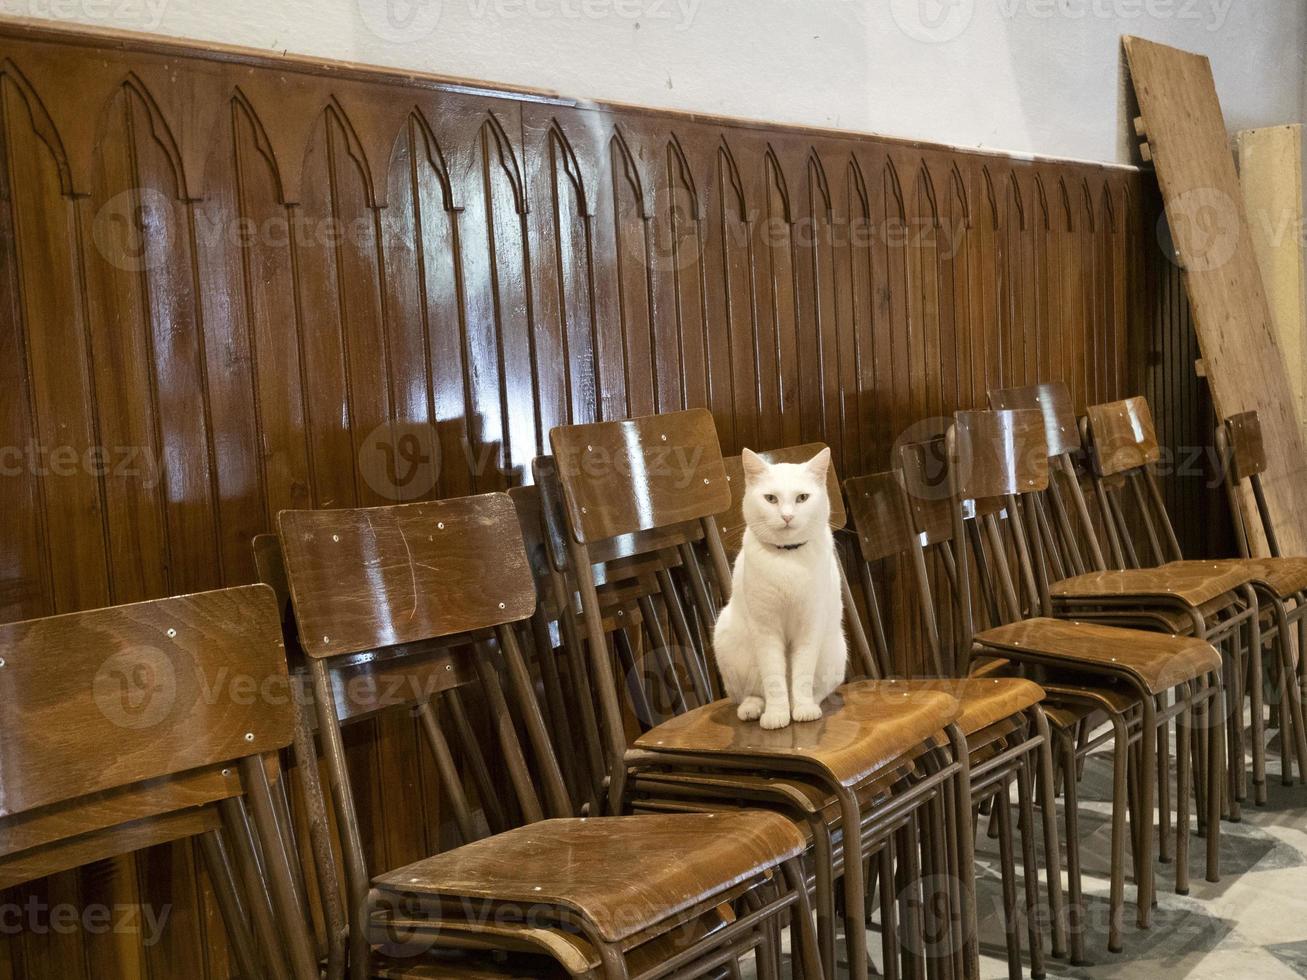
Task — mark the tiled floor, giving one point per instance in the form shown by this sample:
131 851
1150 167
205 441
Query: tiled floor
1253 923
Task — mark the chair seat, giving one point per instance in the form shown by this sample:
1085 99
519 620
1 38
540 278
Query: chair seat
865 726
621 874
1287 576
1194 582
1156 661
984 700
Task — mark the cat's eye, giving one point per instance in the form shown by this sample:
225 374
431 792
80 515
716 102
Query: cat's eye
801 497
769 497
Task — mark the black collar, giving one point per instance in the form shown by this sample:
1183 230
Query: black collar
789 547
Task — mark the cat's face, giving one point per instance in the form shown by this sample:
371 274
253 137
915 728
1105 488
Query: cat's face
785 503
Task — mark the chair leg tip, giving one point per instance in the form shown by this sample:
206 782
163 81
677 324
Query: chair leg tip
1182 891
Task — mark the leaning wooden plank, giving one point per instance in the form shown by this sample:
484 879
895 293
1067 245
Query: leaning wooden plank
1270 172
1190 149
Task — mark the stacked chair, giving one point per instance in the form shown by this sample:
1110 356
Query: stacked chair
1002 719
1281 581
635 503
133 726
447 583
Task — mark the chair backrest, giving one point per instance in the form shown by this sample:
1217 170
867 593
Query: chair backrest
1243 458
364 579
998 454
1066 542
139 711
731 521
640 474
1122 445
1053 400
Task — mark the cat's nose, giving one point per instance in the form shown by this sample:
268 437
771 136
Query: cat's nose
787 518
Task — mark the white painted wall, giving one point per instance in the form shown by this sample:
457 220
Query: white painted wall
1028 76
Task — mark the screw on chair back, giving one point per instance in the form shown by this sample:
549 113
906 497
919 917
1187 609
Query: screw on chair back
1066 544
1123 446
1242 456
439 585
141 724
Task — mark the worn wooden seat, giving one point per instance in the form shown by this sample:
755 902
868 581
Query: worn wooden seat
622 874
454 575
865 727
624 484
1194 583
1155 661
132 726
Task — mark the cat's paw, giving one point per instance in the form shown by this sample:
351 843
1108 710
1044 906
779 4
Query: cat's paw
806 712
775 718
750 708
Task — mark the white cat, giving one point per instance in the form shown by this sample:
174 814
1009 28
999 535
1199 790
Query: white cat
780 640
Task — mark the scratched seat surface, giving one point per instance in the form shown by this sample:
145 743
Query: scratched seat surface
621 874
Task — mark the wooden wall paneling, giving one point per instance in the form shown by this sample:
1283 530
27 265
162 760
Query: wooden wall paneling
263 276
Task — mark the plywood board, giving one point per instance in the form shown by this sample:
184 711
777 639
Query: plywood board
1186 136
1270 172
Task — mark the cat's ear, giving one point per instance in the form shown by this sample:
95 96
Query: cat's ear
754 465
819 464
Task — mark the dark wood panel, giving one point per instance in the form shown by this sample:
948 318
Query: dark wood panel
232 284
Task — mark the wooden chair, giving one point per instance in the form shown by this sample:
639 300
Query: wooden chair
998 467
1001 720
446 583
642 487
1209 600
1214 601
1280 580
135 725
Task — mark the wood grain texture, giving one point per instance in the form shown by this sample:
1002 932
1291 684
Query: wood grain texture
373 577
233 284
1205 208
100 699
